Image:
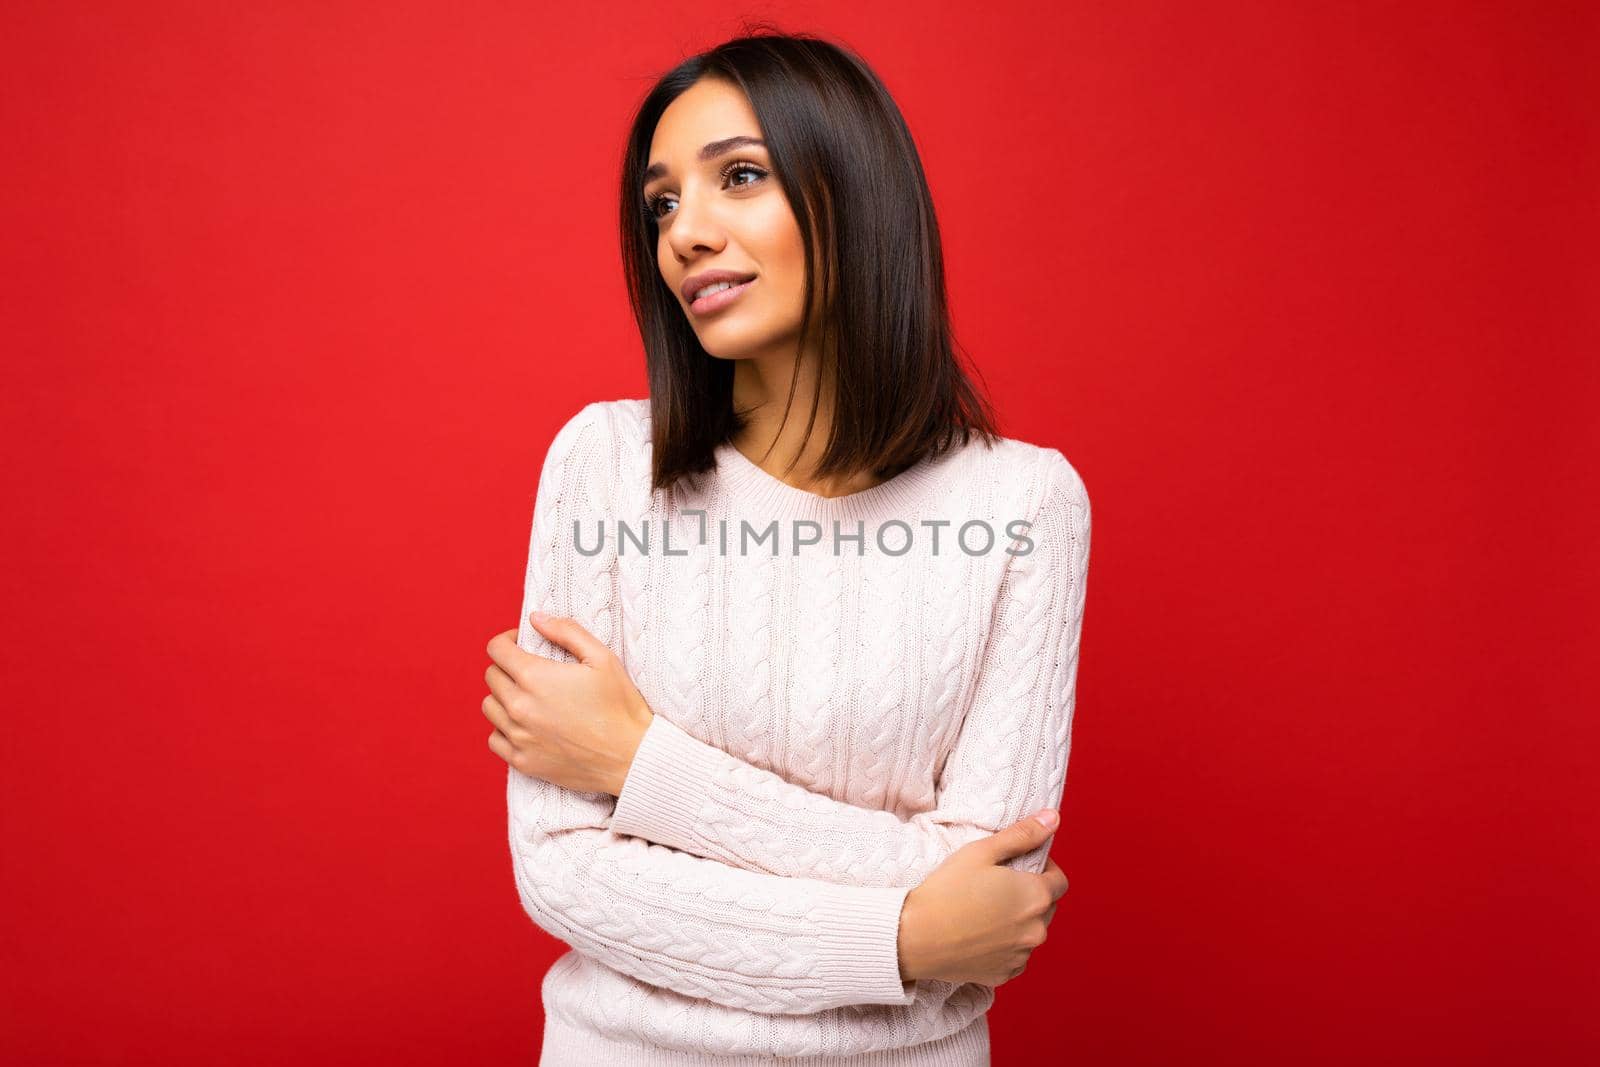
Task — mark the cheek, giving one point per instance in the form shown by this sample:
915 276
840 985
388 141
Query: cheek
773 238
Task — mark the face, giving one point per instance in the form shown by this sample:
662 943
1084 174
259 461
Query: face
717 206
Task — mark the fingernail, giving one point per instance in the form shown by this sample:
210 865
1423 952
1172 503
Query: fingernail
1048 819
539 616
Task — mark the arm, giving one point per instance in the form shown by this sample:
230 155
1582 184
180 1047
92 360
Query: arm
760 942
1009 759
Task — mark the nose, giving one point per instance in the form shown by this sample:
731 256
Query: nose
695 228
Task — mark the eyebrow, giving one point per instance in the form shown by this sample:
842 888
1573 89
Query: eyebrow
709 152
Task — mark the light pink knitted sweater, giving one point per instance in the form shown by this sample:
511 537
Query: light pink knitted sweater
829 727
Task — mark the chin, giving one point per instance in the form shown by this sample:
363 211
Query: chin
732 356
737 348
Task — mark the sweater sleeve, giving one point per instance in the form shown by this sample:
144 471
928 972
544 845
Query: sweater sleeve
762 942
1009 758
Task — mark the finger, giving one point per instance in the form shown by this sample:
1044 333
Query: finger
502 685
1024 835
1049 913
507 654
1055 881
501 747
569 633
497 715
524 668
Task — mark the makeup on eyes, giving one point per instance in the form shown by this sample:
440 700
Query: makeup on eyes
652 202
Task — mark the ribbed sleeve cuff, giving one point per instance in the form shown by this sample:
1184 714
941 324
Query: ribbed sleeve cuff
666 784
860 944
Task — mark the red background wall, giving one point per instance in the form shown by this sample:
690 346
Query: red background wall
1308 294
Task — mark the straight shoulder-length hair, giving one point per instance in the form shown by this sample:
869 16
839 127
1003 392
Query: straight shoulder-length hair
846 162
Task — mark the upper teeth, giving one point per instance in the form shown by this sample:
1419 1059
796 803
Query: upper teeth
715 287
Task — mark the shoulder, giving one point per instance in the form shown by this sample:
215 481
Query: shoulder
1039 474
626 421
602 420
1067 484
601 445
577 440
630 422
1058 504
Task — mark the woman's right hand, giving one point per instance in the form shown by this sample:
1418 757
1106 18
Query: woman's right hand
974 920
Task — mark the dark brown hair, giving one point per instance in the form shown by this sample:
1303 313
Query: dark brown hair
839 147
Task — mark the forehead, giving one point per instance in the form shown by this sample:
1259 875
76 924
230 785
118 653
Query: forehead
709 110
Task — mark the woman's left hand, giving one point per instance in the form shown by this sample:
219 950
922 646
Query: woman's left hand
576 725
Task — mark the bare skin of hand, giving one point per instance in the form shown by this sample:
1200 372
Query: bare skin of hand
974 920
576 725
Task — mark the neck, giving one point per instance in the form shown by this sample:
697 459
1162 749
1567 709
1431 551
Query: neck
780 445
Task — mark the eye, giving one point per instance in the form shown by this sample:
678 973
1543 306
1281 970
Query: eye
653 203
743 168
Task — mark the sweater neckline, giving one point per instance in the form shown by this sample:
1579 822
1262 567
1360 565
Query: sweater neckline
770 496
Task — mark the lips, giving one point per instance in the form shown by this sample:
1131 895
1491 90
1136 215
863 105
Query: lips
718 299
696 282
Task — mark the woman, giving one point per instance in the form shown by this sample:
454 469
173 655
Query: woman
775 741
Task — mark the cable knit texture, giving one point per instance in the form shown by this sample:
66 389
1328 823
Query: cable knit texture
829 727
